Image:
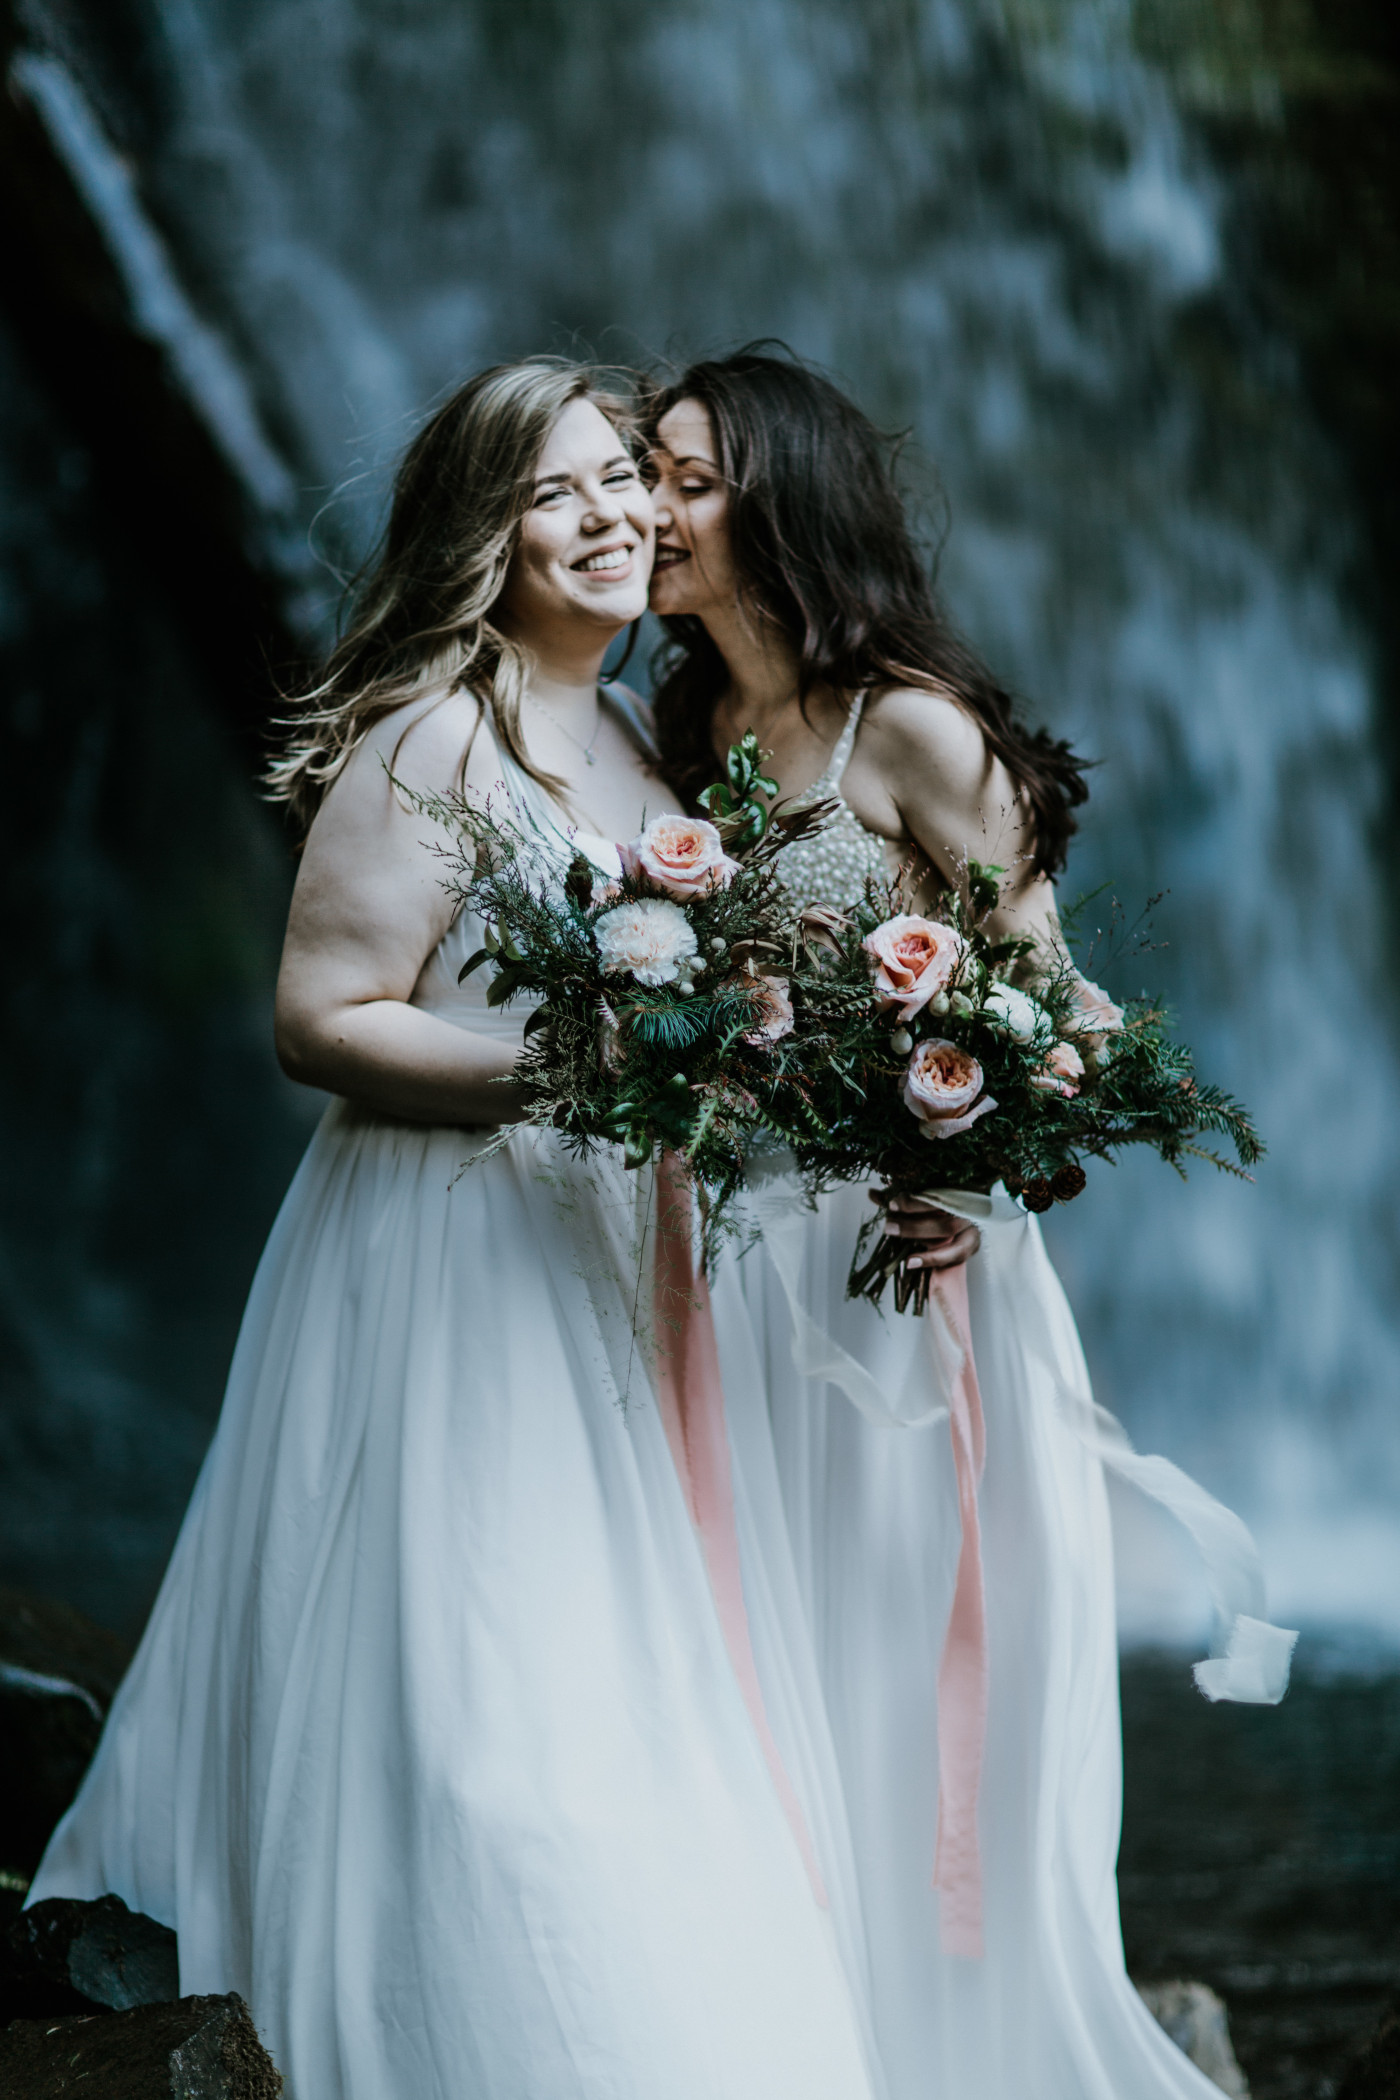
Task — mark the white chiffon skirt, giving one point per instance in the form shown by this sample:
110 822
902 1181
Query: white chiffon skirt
433 1748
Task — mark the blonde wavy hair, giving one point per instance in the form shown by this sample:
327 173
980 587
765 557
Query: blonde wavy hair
420 613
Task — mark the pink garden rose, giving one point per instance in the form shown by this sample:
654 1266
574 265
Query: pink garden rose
1062 1069
941 1088
911 959
682 855
1095 1017
772 1013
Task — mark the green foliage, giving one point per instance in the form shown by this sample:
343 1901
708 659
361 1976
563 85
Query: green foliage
688 1065
735 804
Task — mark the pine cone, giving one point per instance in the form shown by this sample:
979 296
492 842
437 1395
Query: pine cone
1069 1182
1038 1194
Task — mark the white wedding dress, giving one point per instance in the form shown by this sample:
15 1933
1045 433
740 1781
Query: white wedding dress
434 1748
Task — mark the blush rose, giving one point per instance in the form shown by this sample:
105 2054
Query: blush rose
1095 1017
911 959
942 1088
681 855
1062 1070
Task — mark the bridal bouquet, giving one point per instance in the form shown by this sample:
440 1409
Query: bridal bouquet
691 1004
930 1054
662 992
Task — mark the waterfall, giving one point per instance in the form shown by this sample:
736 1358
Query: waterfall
994 222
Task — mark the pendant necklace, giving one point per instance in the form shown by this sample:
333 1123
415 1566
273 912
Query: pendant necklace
589 756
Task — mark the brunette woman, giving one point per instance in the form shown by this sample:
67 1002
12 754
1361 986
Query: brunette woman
797 606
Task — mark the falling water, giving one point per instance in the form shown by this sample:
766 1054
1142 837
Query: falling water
996 224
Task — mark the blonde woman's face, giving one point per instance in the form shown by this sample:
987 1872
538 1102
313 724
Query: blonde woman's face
583 558
694 571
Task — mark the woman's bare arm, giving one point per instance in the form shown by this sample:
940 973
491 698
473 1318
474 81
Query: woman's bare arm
367 911
957 802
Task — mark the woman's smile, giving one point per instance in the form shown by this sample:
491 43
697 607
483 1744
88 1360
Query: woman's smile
606 560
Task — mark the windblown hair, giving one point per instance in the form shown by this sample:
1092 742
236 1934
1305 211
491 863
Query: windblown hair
419 614
822 546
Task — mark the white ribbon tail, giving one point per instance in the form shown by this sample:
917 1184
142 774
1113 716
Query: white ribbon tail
1249 1659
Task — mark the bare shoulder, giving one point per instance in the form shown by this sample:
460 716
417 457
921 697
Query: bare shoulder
424 742
914 733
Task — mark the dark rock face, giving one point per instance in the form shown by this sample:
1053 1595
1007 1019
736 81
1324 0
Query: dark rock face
65 1957
198 2049
58 1673
1260 1855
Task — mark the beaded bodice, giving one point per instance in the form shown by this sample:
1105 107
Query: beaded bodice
833 865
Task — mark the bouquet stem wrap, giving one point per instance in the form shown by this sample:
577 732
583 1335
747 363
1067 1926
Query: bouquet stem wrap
690 1398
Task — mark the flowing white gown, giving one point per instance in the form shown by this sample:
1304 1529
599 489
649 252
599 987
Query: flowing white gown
434 1749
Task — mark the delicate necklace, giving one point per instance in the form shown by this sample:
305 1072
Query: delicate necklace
589 757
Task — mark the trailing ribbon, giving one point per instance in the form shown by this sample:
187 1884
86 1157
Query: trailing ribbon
690 1397
1249 1660
962 1673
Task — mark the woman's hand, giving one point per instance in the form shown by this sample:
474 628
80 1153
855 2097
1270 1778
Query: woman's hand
937 1239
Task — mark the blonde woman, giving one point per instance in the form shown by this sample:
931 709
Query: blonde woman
435 1748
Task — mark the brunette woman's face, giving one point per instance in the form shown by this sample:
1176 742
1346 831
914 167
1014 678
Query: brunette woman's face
694 569
583 559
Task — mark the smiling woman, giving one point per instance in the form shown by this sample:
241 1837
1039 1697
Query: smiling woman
434 1748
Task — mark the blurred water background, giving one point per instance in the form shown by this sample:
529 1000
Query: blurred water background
1124 268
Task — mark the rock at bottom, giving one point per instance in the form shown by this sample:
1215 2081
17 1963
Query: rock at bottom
195 2049
1197 2022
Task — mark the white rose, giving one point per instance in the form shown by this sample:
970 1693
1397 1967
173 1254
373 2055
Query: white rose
651 938
1017 1012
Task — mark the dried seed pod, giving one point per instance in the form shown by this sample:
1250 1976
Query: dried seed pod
578 883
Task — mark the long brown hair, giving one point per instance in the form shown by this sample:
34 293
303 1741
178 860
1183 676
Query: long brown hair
419 615
821 541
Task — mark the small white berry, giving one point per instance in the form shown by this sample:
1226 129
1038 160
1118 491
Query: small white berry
901 1042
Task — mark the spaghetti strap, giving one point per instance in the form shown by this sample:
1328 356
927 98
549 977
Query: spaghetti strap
628 712
840 758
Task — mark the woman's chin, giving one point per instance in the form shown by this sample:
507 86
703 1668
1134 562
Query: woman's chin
667 599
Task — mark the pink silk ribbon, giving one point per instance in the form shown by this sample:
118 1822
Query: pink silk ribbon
962 1674
690 1398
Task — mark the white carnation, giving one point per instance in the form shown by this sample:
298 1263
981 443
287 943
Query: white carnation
651 938
1017 1012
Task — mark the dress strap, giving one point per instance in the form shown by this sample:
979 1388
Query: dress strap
830 782
632 715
